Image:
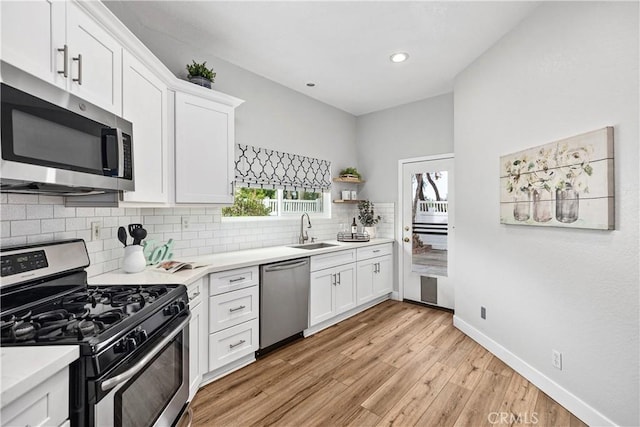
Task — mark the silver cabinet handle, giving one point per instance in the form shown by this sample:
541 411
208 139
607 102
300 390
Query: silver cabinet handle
231 185
65 68
79 59
333 279
194 296
339 279
237 344
236 279
112 382
376 251
242 307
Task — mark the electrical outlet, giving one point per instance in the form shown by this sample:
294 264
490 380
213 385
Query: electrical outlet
186 222
483 312
556 359
96 231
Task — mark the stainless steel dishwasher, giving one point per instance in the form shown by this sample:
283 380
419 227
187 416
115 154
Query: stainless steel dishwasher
284 302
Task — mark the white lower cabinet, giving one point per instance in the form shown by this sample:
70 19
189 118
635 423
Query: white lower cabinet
375 271
332 292
233 316
197 336
44 405
375 278
233 343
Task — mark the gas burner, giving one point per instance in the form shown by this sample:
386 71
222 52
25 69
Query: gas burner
109 317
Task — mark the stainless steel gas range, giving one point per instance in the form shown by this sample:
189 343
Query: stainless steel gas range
134 357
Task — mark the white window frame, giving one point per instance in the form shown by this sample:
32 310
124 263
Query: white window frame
326 213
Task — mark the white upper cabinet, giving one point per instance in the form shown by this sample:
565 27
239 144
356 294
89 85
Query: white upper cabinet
61 44
204 150
144 103
32 33
95 68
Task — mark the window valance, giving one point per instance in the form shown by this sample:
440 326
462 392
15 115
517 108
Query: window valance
264 168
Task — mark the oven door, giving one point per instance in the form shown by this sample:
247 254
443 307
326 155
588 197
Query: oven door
153 387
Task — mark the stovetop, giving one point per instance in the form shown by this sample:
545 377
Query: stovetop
81 315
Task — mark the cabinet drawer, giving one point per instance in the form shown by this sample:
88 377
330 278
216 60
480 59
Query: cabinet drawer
375 251
225 281
195 290
320 262
232 308
232 343
46 404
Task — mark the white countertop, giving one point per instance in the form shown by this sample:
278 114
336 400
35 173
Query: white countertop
221 262
25 367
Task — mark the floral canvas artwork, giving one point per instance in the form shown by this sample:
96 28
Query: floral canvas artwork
566 183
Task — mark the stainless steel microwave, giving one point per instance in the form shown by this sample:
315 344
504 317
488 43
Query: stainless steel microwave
47 147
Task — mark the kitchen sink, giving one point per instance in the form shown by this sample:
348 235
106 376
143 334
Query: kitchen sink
310 246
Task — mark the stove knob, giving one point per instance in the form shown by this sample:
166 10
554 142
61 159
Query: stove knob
182 305
120 346
131 345
171 310
141 336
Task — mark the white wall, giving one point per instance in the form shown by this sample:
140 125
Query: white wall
417 129
569 68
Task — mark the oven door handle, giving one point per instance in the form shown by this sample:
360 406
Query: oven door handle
126 375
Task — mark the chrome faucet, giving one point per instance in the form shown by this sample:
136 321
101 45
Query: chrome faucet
303 234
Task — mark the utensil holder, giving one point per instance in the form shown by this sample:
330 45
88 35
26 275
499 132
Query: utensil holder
134 261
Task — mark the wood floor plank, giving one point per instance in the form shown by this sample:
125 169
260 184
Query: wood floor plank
384 398
499 367
313 406
485 400
446 407
472 368
396 364
550 413
343 408
408 410
520 400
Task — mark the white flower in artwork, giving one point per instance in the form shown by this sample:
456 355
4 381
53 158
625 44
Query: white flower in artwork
575 168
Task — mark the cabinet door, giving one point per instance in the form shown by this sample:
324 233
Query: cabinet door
204 150
383 279
196 366
365 281
32 33
144 103
345 288
96 61
321 303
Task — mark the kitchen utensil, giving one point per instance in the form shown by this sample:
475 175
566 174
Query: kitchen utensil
133 227
138 234
122 235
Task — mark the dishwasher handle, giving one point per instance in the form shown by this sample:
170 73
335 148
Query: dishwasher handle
286 266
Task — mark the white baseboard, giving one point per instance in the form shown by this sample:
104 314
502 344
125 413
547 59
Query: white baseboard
561 395
395 295
227 369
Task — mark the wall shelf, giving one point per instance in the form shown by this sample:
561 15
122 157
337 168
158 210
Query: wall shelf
348 180
346 201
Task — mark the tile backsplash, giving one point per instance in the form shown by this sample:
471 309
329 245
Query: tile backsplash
39 218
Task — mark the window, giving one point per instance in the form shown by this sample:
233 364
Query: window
258 202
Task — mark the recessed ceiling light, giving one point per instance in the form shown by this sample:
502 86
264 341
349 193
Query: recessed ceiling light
399 57
311 84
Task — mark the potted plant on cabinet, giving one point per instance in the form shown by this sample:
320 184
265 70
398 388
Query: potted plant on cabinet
201 75
367 217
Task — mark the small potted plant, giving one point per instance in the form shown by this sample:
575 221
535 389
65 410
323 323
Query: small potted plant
367 217
350 173
200 74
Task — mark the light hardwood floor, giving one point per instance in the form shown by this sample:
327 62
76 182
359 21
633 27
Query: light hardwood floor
395 364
